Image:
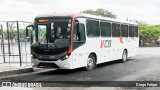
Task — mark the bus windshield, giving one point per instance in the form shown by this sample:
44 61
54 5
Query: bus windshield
54 34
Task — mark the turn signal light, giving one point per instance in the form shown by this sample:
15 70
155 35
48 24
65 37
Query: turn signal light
43 20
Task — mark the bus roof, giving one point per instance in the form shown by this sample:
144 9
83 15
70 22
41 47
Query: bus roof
74 15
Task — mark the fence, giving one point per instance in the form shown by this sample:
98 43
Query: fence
15 47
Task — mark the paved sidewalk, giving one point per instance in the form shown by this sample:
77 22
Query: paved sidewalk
7 69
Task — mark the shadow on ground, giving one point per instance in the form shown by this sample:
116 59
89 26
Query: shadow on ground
65 72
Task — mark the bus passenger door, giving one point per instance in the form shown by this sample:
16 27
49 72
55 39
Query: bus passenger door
79 52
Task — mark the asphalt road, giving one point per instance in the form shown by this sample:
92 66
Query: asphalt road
143 67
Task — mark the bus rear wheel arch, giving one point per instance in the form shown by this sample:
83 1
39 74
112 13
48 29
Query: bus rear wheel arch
91 62
124 56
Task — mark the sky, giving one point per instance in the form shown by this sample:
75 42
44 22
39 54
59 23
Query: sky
26 10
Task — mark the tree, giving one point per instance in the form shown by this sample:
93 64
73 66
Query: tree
149 34
100 12
13 34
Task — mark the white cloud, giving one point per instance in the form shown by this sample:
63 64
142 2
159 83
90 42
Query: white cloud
145 10
19 10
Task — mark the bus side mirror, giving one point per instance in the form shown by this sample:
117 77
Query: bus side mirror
30 29
27 29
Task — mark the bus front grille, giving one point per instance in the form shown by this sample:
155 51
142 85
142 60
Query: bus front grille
47 65
48 59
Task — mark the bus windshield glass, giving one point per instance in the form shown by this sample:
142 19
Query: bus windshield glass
54 34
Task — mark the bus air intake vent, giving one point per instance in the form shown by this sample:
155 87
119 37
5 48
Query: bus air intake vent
47 65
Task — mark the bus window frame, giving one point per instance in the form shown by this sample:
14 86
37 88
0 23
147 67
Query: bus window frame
98 27
121 30
77 30
105 21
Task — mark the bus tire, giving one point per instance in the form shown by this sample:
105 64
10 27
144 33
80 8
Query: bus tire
124 56
91 63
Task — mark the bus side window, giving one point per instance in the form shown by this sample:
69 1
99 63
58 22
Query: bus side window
75 35
124 30
115 30
79 32
105 29
93 28
136 31
131 31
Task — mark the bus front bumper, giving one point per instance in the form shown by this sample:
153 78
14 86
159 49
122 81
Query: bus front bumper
59 64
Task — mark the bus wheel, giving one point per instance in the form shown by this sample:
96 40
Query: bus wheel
91 63
124 56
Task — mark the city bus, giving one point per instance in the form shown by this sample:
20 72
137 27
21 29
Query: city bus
75 40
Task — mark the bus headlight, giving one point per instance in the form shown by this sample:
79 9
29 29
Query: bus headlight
65 57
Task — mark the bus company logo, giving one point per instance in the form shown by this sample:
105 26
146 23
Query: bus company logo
105 43
6 84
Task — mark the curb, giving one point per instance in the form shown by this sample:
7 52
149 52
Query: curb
15 72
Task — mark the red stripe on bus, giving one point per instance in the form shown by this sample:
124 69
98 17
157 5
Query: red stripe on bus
69 51
121 39
71 46
72 31
133 38
76 15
